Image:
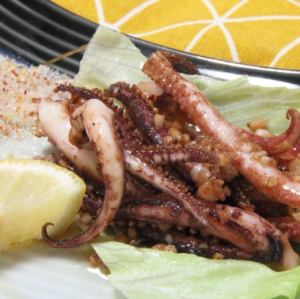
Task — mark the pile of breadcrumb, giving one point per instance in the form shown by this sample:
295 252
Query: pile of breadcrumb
21 90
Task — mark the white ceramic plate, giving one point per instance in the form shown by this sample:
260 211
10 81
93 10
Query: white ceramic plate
41 272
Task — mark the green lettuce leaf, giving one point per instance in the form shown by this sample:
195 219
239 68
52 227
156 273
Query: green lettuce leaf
148 274
111 57
241 102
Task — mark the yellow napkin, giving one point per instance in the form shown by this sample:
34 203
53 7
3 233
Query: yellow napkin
261 32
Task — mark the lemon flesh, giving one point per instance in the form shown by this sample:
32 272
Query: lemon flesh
34 192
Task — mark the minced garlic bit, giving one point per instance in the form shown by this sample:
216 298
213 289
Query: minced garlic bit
85 218
159 120
165 247
263 133
21 90
94 259
174 133
200 173
218 256
211 190
256 124
96 262
132 234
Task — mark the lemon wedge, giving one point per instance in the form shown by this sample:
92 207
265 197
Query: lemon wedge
33 192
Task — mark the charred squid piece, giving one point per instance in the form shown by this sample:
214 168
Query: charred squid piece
98 122
159 209
249 158
245 229
289 225
286 157
135 188
91 206
127 133
245 196
192 244
79 95
283 142
93 199
140 110
181 64
56 123
162 155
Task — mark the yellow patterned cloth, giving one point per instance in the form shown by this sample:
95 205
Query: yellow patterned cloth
261 32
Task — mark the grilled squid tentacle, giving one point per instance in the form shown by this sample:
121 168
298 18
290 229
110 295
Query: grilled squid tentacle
158 209
282 142
98 123
249 158
245 229
140 110
161 155
192 244
56 123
